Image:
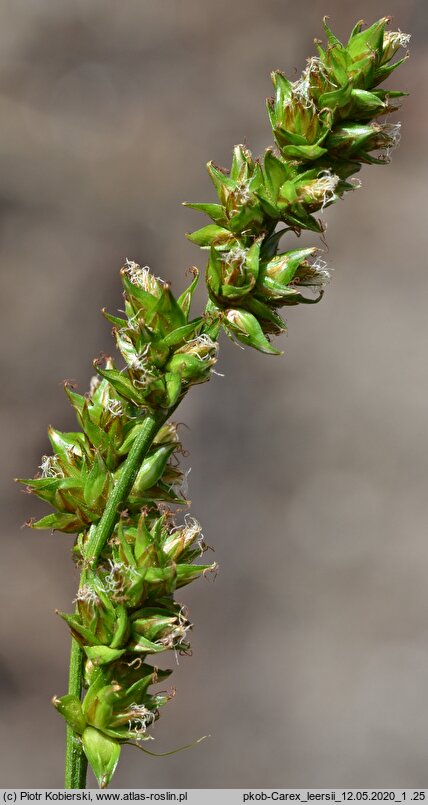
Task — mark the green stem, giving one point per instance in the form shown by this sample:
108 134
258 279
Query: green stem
75 760
123 487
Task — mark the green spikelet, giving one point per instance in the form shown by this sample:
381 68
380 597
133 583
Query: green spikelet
325 126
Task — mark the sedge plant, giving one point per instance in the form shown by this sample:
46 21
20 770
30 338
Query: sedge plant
116 483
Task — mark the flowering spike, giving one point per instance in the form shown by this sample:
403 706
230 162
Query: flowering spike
325 127
117 484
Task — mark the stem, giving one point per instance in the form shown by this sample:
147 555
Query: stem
123 487
75 760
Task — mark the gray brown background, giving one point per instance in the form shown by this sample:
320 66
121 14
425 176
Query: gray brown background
310 472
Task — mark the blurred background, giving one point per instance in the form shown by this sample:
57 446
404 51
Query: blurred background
310 649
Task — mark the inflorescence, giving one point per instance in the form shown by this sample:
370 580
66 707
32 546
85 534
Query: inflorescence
326 125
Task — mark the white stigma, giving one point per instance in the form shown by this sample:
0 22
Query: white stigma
193 531
393 134
324 187
243 188
115 407
114 581
302 87
403 39
139 718
203 347
141 276
322 274
87 595
237 257
50 467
